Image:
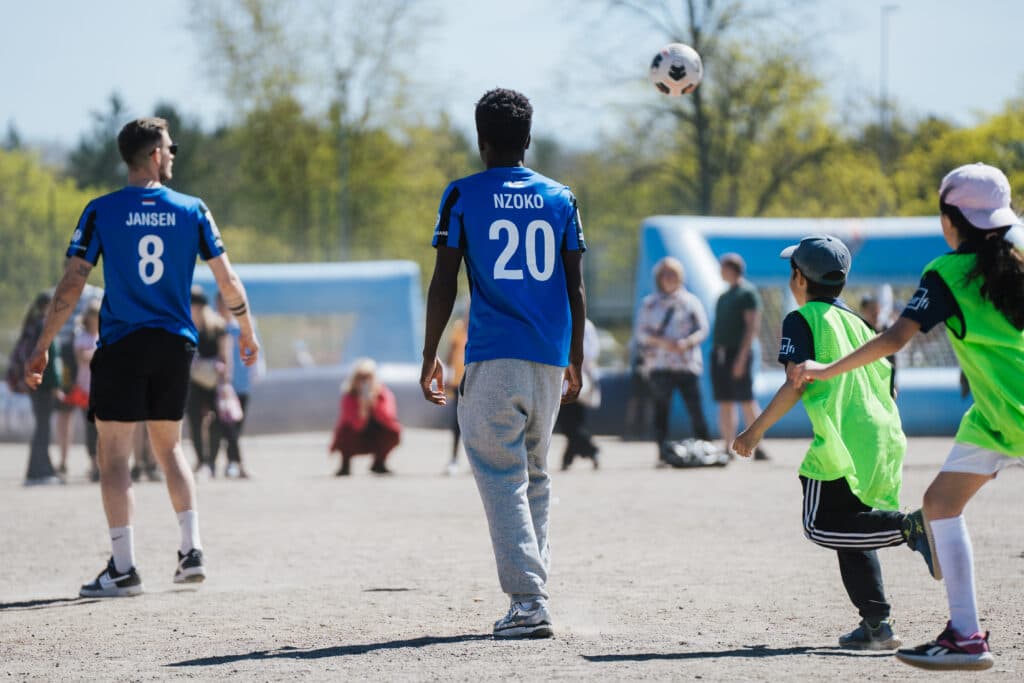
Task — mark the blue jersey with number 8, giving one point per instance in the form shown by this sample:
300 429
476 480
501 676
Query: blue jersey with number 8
149 239
513 225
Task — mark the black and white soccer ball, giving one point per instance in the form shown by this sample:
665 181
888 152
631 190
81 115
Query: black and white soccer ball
676 69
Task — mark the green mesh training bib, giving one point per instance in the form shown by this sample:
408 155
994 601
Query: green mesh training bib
857 429
991 354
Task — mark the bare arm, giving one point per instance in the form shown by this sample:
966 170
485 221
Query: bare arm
885 344
572 261
224 351
65 298
782 402
751 324
700 333
231 288
444 286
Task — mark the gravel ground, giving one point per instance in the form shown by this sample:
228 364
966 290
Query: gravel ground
657 574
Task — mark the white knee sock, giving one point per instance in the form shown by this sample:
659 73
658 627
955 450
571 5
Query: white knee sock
956 558
122 541
189 523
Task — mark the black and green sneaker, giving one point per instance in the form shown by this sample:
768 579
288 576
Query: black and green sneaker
918 535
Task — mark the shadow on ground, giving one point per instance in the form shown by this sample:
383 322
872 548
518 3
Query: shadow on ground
749 651
44 603
337 651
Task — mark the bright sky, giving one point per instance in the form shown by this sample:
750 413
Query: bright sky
61 59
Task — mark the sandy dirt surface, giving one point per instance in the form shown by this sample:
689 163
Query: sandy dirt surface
657 574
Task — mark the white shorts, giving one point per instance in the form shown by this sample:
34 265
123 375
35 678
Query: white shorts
971 459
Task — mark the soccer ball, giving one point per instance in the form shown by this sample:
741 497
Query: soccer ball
676 70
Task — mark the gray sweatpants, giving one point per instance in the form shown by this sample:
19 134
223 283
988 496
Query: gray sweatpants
507 412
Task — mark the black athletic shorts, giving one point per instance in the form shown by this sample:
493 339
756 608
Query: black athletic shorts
143 376
725 387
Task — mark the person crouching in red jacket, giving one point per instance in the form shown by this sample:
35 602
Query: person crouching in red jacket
367 419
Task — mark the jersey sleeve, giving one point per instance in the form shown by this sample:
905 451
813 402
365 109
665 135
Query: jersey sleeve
797 342
448 229
211 245
85 241
573 239
752 300
932 303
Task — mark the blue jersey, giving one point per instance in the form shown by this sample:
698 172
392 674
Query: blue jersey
149 239
512 225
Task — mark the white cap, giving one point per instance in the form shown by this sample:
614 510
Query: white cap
982 193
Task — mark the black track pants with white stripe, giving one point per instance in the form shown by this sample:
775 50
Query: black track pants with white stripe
837 519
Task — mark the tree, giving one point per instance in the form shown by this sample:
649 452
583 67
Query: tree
322 54
96 162
318 96
754 93
38 212
12 139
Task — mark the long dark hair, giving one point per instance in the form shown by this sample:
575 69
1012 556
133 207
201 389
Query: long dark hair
999 265
37 311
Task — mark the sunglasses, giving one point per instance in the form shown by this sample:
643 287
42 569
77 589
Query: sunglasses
173 148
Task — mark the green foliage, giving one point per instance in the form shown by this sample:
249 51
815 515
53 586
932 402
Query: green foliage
38 212
96 162
323 159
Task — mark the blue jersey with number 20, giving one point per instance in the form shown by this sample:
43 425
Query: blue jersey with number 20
149 239
513 225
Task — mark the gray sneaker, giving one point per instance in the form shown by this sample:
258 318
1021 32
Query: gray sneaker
525 620
868 637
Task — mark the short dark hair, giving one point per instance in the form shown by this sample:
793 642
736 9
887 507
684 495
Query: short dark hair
818 290
734 261
503 119
138 137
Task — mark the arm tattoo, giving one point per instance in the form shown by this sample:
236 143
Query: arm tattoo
84 270
238 310
60 305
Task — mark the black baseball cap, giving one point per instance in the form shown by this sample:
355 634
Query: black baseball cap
821 258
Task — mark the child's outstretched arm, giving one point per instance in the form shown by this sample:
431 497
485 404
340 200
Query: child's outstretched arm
782 402
885 344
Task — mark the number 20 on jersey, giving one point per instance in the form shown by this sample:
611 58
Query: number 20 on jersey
537 231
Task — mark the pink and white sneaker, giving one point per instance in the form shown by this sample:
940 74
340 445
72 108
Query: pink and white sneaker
950 652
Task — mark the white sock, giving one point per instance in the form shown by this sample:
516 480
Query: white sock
956 558
122 541
189 523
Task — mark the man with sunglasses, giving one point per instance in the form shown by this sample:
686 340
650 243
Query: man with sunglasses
149 237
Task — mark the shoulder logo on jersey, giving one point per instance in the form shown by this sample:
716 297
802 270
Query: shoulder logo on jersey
786 347
76 235
510 200
151 218
920 300
438 232
214 229
579 225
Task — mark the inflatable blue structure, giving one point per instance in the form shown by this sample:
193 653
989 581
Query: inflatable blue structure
885 251
383 296
365 308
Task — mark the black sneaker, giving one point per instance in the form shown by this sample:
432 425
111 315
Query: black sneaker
868 637
919 539
951 651
113 584
190 567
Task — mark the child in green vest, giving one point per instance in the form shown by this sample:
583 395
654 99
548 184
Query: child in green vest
851 474
977 291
